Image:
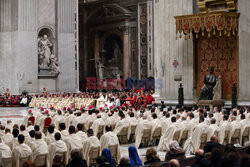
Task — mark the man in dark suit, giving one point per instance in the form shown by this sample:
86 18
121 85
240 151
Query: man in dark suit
213 143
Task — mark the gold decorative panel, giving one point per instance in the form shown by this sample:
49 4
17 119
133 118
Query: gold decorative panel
222 54
207 6
226 23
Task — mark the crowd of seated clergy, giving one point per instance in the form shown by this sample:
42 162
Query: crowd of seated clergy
17 144
90 130
99 99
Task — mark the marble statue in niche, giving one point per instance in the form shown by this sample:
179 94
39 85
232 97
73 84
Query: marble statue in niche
48 62
44 51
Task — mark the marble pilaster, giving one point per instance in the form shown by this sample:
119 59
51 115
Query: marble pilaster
244 50
167 49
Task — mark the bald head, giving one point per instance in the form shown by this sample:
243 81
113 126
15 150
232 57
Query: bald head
174 163
38 135
213 121
233 118
214 138
199 154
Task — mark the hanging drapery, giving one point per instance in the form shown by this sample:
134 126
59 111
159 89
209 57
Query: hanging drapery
226 23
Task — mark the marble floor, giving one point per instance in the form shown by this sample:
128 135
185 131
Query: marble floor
16 115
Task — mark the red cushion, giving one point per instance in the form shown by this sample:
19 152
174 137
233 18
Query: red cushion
47 122
32 119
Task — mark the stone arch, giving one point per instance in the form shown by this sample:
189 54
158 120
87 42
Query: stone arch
46 29
107 34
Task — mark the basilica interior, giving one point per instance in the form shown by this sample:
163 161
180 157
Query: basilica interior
124 83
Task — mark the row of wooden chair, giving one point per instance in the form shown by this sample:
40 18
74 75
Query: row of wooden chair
40 161
184 136
95 153
146 137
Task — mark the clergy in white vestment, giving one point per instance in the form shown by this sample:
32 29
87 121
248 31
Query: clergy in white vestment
70 119
92 141
223 127
9 125
26 118
111 120
29 126
192 121
90 118
143 124
40 147
78 119
73 141
178 118
133 121
165 122
217 115
212 129
63 131
50 137
5 151
207 120
100 101
31 140
40 119
168 135
7 138
96 124
80 133
155 123
123 123
103 114
245 123
58 146
195 138
247 112
37 129
59 118
14 141
110 139
24 132
184 125
2 131
21 151
117 101
234 126
82 119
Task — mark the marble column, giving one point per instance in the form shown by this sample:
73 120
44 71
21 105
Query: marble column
244 51
126 58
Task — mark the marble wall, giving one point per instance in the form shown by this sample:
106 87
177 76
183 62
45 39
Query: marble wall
167 49
5 43
20 22
244 50
66 45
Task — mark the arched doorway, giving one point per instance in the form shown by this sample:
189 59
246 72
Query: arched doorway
113 57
